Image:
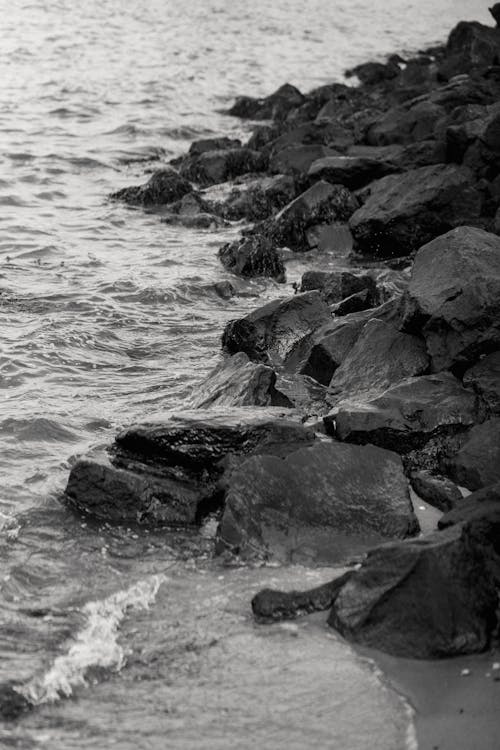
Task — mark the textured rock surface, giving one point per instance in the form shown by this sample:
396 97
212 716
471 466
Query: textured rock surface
484 378
438 491
164 186
212 167
253 256
477 464
482 504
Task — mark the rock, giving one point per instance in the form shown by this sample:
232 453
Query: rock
270 333
12 703
477 463
195 221
273 107
337 285
212 167
407 123
213 144
371 73
425 598
406 416
381 357
253 199
238 382
253 256
352 171
224 289
316 503
164 186
303 393
453 297
438 491
482 504
495 12
327 133
470 46
167 470
354 303
296 225
405 211
484 378
270 605
296 160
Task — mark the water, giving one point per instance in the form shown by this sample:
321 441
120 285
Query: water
106 315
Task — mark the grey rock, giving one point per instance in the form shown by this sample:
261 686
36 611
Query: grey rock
438 491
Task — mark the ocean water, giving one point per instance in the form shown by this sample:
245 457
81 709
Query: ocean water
107 315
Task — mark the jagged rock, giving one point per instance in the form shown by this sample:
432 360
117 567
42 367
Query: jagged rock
253 199
273 107
296 225
213 144
253 256
296 160
164 186
453 297
238 382
484 503
337 285
423 599
381 357
270 605
438 491
212 167
484 378
407 123
166 470
470 45
316 503
269 333
407 415
404 211
352 171
477 463
356 302
305 394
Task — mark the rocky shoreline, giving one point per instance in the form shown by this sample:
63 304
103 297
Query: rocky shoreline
378 376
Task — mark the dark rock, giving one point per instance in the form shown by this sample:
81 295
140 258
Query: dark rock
477 463
191 204
337 285
224 289
352 171
212 167
316 503
269 333
423 599
495 12
238 382
326 133
381 357
354 303
213 144
482 504
164 186
470 46
371 73
165 471
12 703
253 256
273 107
407 123
453 297
484 378
195 221
270 605
301 392
296 160
405 211
253 199
407 415
438 491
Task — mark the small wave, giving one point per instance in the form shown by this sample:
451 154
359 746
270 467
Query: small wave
39 428
96 645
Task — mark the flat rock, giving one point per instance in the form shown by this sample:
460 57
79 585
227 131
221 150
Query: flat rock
453 297
425 598
438 491
352 171
163 187
320 503
404 211
477 463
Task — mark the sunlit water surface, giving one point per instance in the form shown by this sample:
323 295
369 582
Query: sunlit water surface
107 315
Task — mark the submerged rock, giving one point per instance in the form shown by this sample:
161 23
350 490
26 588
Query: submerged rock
164 186
326 502
438 491
421 599
253 256
405 211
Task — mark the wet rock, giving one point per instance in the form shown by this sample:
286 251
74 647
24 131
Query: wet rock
423 599
237 381
212 167
253 199
354 303
438 491
269 333
477 463
453 297
316 503
296 160
470 46
224 289
12 703
337 285
381 357
407 123
213 144
167 470
273 107
305 394
484 378
164 186
482 504
405 211
195 221
371 73
253 256
270 605
352 171
326 133
406 416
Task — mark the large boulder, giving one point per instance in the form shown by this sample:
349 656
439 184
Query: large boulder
273 107
470 45
406 123
253 256
477 463
167 470
270 333
381 357
296 160
484 378
453 297
405 211
337 285
164 186
324 503
212 167
237 381
407 415
425 598
253 198
352 171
